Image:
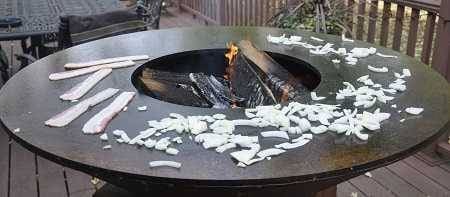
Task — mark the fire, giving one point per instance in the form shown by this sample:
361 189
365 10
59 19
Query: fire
232 52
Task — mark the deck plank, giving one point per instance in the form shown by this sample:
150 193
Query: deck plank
424 184
370 187
23 172
395 184
435 173
4 161
445 166
51 179
79 183
346 189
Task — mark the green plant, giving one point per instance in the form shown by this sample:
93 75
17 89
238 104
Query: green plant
316 15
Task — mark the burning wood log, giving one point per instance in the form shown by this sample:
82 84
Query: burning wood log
245 82
216 93
173 87
283 84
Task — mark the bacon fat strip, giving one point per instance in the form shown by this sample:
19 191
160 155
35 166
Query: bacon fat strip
83 71
106 61
100 121
82 88
66 117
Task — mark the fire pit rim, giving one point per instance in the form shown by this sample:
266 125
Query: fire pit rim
426 76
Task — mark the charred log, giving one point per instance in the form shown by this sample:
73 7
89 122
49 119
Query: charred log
246 83
216 94
173 87
283 84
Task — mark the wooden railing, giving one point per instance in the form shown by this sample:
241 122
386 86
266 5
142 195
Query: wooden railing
233 12
391 23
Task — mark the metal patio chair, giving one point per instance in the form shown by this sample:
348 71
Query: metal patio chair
75 30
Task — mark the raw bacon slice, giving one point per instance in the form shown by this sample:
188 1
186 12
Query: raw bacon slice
106 61
64 118
82 88
98 123
83 71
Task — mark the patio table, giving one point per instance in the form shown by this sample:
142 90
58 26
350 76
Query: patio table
29 98
40 18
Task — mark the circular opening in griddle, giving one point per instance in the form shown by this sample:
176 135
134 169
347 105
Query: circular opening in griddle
168 78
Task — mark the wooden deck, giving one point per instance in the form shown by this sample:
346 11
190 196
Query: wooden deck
23 174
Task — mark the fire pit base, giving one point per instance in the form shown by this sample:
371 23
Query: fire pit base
109 190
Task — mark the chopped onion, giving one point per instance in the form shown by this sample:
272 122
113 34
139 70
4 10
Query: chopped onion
414 110
172 164
278 134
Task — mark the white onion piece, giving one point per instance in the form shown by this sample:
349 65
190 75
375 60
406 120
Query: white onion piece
118 133
246 155
225 147
172 164
278 134
363 78
242 165
314 97
414 110
104 137
378 70
178 140
295 38
362 136
398 87
162 144
371 125
276 40
319 130
316 39
287 145
252 161
219 116
344 39
338 128
150 143
196 126
142 108
172 151
270 152
336 61
244 141
125 137
143 135
386 56
406 72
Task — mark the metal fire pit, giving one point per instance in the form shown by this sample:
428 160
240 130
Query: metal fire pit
29 98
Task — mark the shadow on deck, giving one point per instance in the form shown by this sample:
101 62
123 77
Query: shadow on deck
23 174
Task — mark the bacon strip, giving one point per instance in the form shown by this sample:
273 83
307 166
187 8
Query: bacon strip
106 61
64 118
100 121
83 71
82 88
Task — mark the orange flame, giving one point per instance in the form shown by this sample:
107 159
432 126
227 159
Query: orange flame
232 52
